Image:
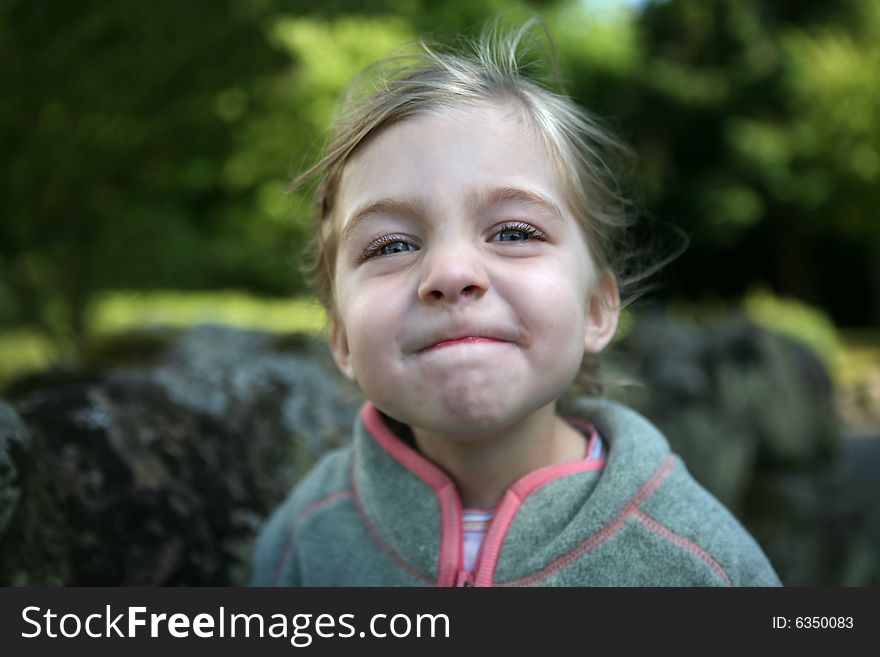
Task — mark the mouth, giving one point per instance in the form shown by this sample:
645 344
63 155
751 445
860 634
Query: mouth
464 340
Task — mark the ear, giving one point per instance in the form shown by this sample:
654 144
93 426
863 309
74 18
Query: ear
339 348
603 312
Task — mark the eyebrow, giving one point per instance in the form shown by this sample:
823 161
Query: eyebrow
407 207
495 195
413 207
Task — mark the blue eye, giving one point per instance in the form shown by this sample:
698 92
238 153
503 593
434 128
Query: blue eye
512 236
387 245
394 247
517 232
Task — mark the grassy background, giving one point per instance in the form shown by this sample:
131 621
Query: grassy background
23 351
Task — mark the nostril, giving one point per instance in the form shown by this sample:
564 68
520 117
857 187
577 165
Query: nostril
449 280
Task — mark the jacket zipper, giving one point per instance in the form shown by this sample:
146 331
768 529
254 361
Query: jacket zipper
465 578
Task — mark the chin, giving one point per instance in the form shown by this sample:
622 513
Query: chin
453 419
470 419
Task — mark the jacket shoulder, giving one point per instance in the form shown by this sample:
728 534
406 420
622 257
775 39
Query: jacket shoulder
685 513
328 480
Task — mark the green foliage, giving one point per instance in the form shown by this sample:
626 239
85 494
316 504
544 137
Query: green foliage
797 320
598 35
119 312
23 351
758 129
113 144
836 135
114 314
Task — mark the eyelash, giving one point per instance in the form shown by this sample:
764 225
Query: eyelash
376 245
528 229
373 248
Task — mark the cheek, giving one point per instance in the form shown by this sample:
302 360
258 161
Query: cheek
373 322
559 294
564 346
556 310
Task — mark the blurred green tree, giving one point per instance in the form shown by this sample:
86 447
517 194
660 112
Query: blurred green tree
758 129
115 125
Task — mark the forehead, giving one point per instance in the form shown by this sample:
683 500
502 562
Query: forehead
443 158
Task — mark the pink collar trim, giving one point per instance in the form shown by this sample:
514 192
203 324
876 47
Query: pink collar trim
441 483
450 559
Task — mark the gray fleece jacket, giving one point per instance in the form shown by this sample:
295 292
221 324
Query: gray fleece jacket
377 513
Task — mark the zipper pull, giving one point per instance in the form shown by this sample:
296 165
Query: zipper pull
464 578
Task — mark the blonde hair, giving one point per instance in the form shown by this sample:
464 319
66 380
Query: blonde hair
499 66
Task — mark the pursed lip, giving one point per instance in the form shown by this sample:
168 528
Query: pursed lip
464 339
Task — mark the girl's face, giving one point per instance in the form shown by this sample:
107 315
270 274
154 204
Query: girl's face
465 293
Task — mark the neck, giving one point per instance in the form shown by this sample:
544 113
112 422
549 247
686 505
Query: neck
484 467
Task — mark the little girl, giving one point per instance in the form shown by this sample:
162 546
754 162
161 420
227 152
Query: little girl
466 257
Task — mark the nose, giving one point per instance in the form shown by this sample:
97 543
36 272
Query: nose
453 272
